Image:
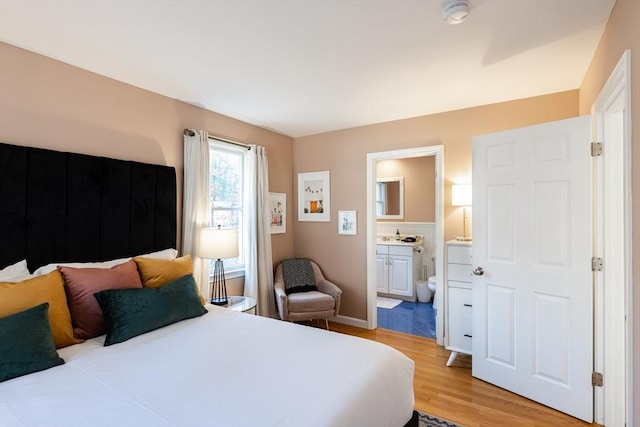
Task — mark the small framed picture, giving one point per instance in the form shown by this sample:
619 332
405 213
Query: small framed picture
278 212
347 222
314 196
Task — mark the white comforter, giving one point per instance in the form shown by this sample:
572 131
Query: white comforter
222 369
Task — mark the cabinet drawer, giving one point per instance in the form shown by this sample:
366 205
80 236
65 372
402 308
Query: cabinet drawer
459 254
401 250
460 334
460 303
382 249
459 272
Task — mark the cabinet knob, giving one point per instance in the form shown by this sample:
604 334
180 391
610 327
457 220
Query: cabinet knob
478 271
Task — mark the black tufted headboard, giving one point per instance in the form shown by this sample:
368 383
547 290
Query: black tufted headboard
66 207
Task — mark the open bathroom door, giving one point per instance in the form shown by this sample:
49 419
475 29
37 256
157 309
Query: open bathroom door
532 292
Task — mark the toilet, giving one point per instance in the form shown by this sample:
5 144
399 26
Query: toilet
431 285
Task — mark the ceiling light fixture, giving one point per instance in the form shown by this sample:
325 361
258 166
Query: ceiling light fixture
455 11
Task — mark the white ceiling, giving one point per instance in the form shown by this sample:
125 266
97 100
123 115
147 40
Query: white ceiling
301 67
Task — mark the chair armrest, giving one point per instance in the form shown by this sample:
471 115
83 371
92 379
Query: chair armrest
281 296
327 287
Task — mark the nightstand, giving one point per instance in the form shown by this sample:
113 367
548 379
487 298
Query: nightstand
239 303
458 303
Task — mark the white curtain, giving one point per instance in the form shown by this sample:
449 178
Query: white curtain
196 212
258 279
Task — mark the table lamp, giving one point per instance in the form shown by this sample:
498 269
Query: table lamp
461 196
218 244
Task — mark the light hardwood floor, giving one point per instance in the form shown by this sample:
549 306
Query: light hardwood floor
453 394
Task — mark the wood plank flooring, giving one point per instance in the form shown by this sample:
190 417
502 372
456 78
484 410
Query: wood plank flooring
453 394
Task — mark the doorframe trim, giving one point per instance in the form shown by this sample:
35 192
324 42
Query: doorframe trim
614 96
372 158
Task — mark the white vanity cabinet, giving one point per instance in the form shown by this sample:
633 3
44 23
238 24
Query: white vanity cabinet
397 266
458 304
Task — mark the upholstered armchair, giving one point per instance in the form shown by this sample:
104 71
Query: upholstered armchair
297 301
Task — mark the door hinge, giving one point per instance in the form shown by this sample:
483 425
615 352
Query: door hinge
596 264
597 379
596 149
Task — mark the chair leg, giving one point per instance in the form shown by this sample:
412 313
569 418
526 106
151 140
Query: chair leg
326 322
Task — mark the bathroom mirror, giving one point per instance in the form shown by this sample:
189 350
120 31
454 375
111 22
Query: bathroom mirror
390 198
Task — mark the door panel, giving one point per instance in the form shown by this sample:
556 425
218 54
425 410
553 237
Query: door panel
532 307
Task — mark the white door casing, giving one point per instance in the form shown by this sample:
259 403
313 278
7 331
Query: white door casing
611 126
532 307
372 158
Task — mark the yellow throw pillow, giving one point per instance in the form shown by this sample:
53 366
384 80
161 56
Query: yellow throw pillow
156 272
20 296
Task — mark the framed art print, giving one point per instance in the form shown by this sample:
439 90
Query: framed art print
314 202
347 222
278 212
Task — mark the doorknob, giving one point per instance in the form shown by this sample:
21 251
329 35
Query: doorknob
478 271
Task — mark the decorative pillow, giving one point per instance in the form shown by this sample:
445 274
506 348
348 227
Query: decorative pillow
81 283
14 272
298 275
26 343
132 312
163 254
49 288
54 266
157 272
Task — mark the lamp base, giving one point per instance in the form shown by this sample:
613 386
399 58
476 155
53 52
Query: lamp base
219 285
463 239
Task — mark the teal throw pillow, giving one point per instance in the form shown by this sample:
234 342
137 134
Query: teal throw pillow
132 312
26 343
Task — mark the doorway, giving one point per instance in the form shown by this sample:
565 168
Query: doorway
372 229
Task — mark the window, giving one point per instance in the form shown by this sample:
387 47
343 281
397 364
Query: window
381 198
226 171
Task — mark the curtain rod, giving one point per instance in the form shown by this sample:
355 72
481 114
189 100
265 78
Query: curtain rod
192 133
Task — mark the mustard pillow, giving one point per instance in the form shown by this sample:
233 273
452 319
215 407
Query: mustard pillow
156 272
19 296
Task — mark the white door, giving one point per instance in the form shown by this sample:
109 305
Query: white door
532 228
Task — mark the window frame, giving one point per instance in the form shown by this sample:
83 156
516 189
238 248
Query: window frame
216 145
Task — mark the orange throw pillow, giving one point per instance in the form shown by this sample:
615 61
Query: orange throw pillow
158 272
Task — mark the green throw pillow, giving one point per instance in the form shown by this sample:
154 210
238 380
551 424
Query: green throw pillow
26 343
132 312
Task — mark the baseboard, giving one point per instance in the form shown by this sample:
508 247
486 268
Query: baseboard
351 321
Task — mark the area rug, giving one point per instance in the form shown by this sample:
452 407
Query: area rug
426 420
383 302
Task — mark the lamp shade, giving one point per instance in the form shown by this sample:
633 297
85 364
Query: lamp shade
461 195
216 243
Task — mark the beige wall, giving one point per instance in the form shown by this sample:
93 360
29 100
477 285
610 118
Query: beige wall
419 175
48 104
620 34
343 258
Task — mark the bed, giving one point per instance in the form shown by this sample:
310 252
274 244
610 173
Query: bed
211 367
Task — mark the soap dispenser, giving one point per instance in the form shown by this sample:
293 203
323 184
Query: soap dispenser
397 234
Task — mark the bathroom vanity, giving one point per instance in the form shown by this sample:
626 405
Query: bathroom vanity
397 268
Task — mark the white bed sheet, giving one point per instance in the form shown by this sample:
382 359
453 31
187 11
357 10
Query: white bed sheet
221 369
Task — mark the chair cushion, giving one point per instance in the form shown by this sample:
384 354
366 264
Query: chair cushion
298 275
306 302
